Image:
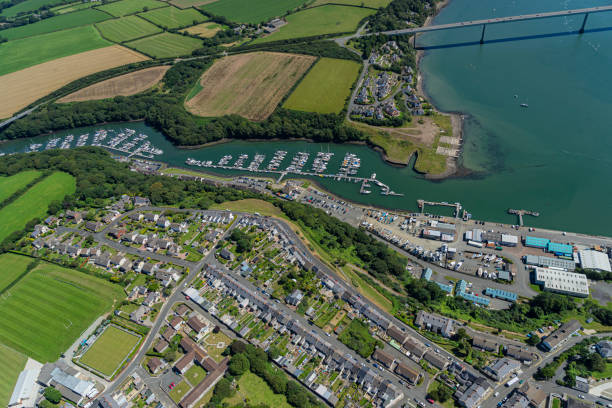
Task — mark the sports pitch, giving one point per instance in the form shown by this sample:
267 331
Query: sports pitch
109 350
45 312
325 88
11 268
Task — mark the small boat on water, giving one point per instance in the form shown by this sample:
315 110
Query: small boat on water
524 105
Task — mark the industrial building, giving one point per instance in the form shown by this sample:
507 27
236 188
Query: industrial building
536 242
560 249
501 294
26 389
461 291
446 288
509 240
426 274
595 260
567 283
548 262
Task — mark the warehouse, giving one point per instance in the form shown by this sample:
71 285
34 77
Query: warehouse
535 242
509 240
501 294
432 234
568 283
595 260
548 262
560 249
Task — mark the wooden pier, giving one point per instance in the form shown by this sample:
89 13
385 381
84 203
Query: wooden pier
456 206
520 214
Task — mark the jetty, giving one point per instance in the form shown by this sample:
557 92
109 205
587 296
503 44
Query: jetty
520 214
456 206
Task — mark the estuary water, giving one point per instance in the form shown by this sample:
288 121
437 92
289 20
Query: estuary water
554 157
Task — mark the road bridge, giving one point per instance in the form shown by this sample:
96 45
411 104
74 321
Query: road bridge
489 21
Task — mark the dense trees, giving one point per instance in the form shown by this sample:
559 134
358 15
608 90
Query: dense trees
398 12
318 48
244 242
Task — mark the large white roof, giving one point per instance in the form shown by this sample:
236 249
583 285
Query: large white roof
590 259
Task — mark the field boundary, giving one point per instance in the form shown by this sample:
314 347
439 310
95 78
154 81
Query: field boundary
22 191
297 83
28 269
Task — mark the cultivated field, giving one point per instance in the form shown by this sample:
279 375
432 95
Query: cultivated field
126 28
26 6
125 7
60 22
325 88
12 364
50 307
190 3
109 350
67 8
19 89
172 17
11 267
26 52
166 45
125 85
243 11
34 202
318 21
250 85
366 3
9 185
205 30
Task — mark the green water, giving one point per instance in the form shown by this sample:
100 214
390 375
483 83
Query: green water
553 157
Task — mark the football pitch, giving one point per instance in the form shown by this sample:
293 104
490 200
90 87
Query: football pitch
109 350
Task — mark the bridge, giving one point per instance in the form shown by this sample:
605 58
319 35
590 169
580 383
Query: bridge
484 23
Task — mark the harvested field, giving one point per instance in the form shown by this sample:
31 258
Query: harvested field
172 17
124 85
166 45
205 30
60 22
125 7
19 89
190 3
325 88
126 28
250 85
243 11
30 51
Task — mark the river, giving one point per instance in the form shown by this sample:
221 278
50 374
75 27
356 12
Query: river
553 157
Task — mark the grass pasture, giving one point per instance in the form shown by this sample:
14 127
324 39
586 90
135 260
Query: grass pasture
243 11
205 30
328 19
60 22
172 17
109 350
19 89
69 8
12 364
126 29
125 7
50 307
10 185
26 52
325 88
190 3
26 7
250 85
166 45
125 85
11 268
34 202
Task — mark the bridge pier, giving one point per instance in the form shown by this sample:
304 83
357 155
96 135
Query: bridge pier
586 15
484 26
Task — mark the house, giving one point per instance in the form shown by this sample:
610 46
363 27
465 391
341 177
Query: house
39 229
116 233
137 316
136 217
141 201
176 227
185 363
67 381
211 236
385 359
604 348
118 260
225 254
521 354
582 384
397 335
38 243
474 394
436 360
502 368
73 251
182 310
148 268
74 216
408 373
103 260
154 365
485 344
176 323
152 297
52 221
151 217
92 225
435 323
295 297
561 335
416 349
162 222
534 394
161 346
198 326
169 333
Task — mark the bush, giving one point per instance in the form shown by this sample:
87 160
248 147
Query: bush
53 395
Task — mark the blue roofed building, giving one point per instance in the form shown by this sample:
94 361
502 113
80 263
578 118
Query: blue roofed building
461 286
501 294
479 300
535 242
426 274
560 249
446 288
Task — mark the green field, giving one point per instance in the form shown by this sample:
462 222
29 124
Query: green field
243 11
257 391
366 3
34 202
318 21
166 45
45 312
26 52
12 364
124 7
126 28
325 88
27 6
68 8
109 350
61 22
172 17
9 185
11 267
